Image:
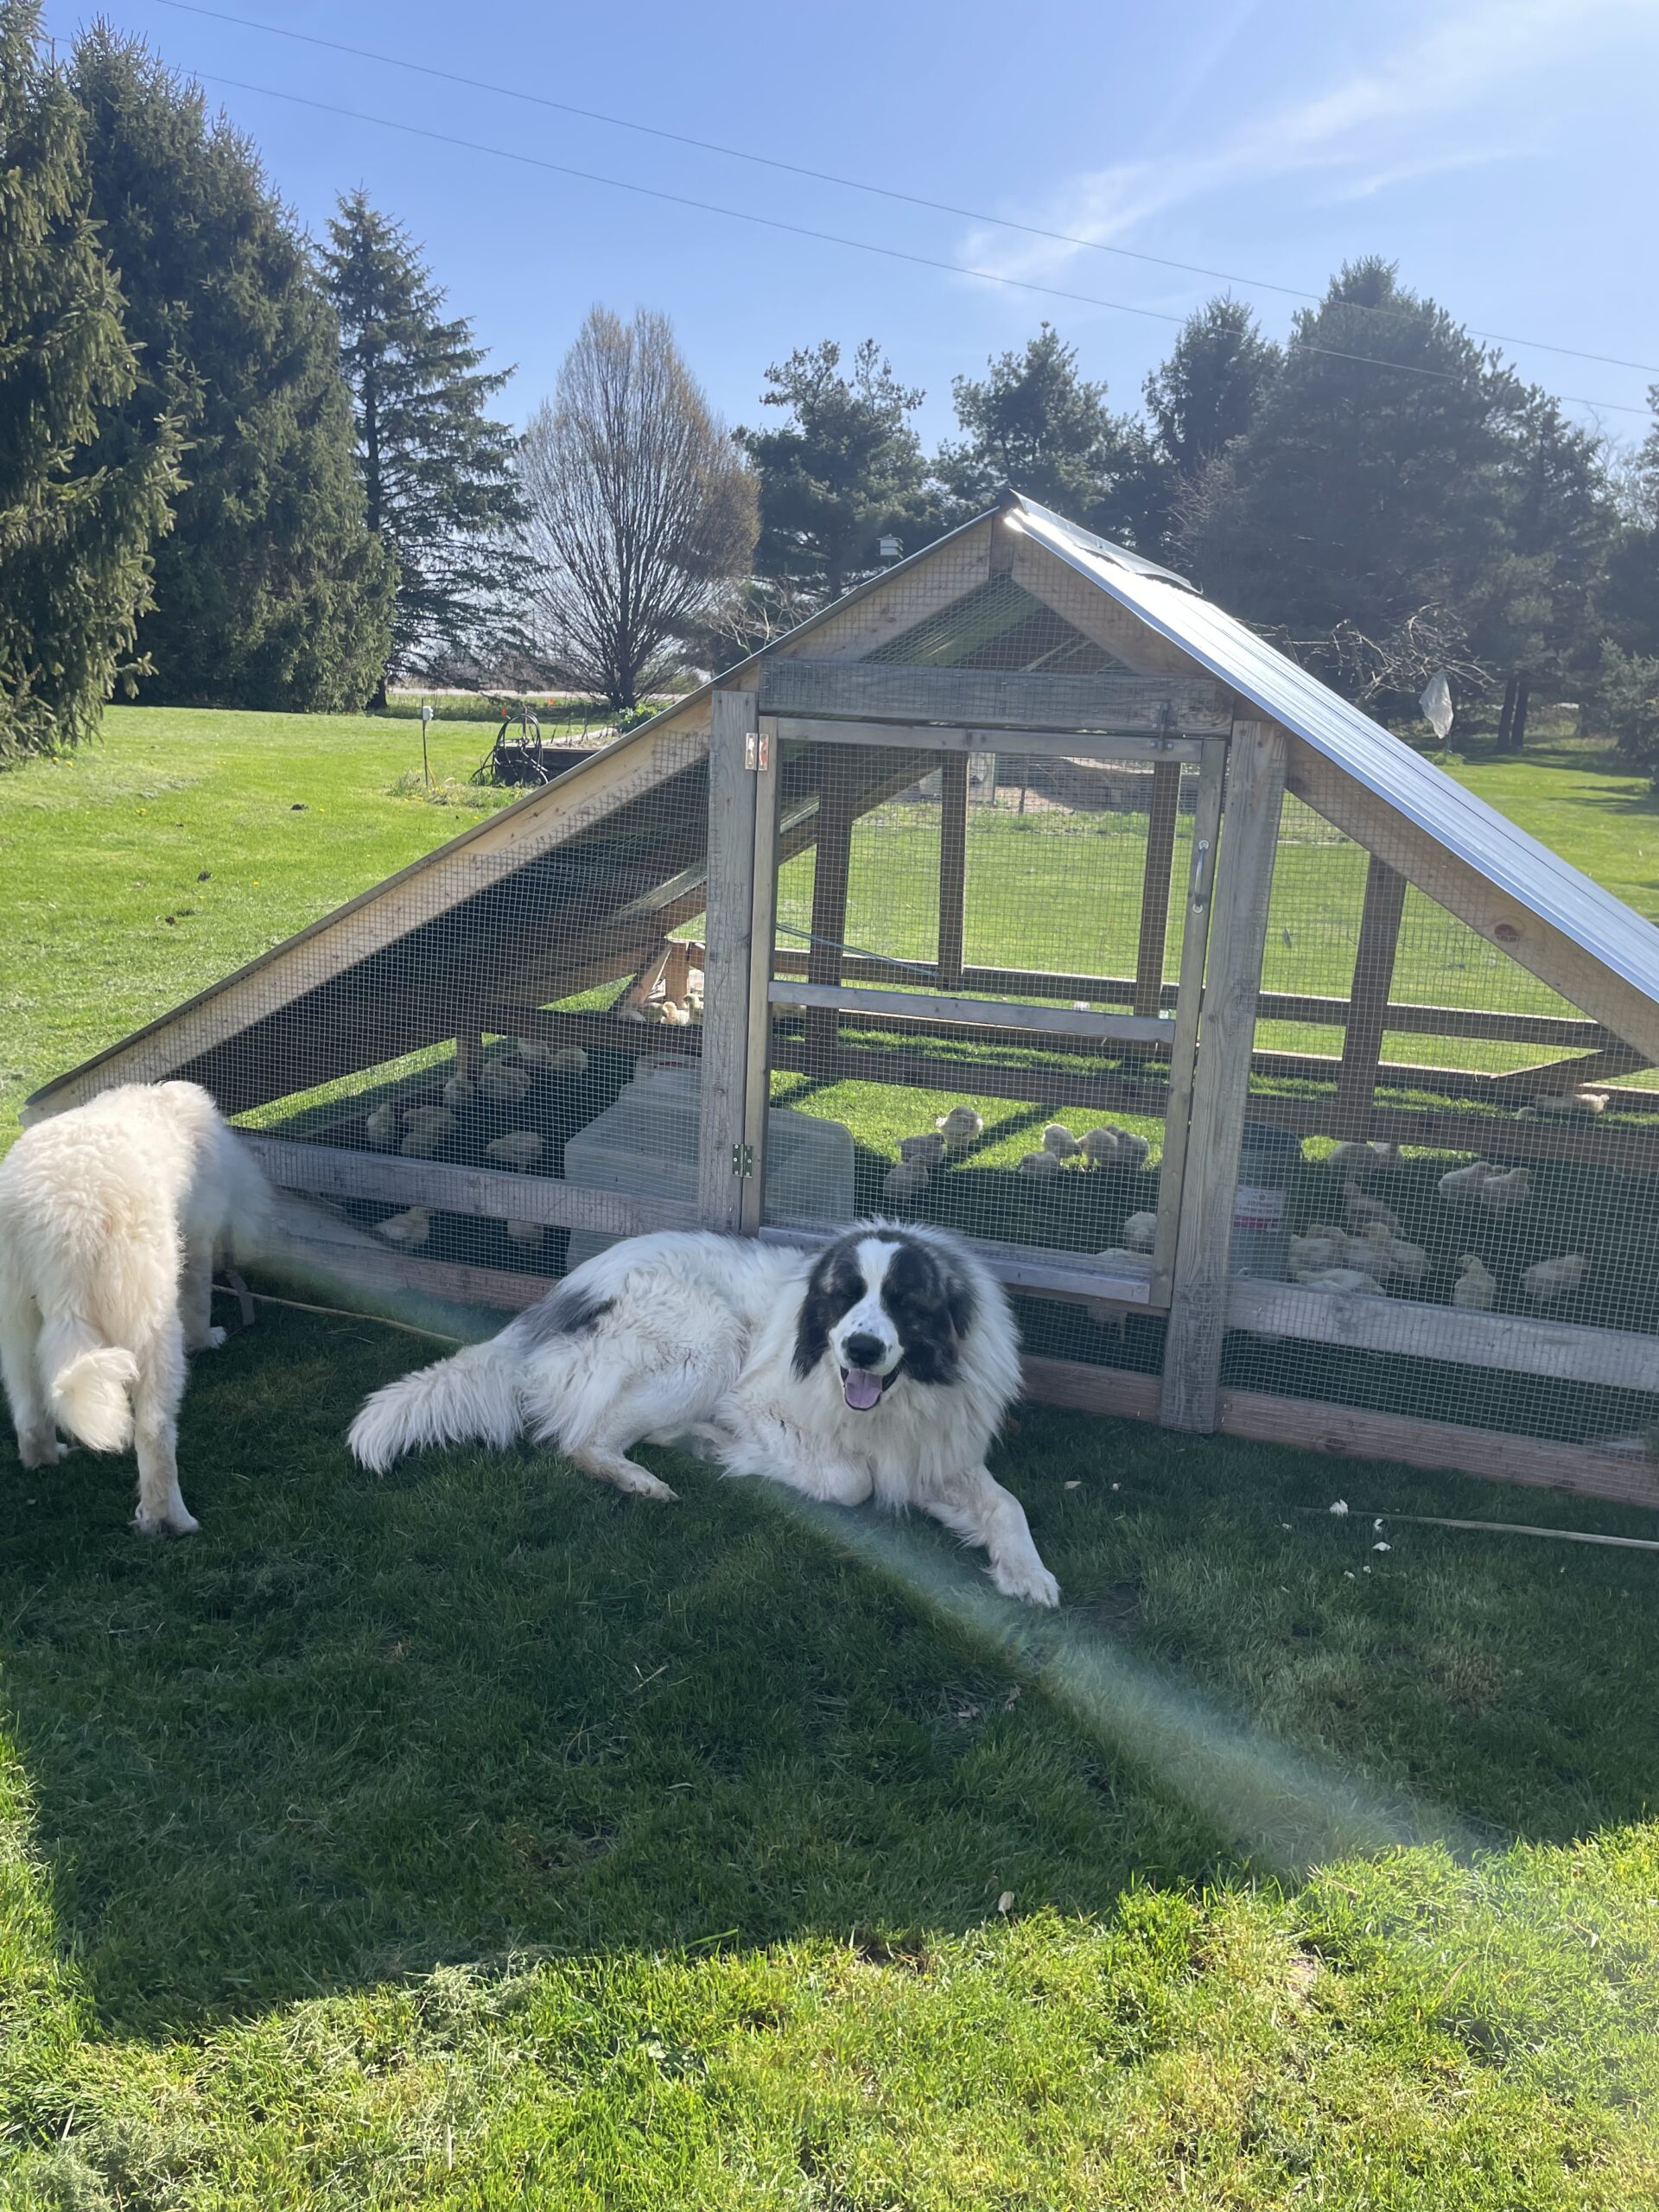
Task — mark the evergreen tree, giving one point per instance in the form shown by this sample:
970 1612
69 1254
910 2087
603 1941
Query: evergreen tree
437 471
844 471
1561 527
1630 597
271 591
83 489
1208 393
1035 424
1369 504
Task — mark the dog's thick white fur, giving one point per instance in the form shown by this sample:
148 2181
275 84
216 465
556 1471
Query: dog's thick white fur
881 1367
110 1217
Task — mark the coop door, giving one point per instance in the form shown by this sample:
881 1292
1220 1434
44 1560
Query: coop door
983 996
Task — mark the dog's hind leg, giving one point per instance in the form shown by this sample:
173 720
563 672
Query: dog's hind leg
196 1297
155 1397
20 1370
982 1512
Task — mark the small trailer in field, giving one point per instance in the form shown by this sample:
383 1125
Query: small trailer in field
1349 1067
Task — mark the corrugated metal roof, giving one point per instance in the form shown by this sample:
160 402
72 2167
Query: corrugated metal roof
1530 872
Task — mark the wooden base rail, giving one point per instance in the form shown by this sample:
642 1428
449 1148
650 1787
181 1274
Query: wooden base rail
1351 1432
330 1172
1564 1352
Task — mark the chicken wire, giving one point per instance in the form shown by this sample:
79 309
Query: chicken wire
1459 1225
1046 1143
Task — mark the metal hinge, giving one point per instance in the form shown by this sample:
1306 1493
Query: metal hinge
742 1160
757 751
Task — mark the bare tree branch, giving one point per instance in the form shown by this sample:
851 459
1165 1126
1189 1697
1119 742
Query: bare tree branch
640 506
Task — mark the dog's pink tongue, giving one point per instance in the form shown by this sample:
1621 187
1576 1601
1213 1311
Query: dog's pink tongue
861 1389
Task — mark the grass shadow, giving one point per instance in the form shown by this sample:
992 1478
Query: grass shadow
357 1728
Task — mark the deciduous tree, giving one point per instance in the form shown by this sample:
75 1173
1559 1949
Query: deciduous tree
640 508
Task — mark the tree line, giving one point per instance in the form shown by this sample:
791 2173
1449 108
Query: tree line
239 468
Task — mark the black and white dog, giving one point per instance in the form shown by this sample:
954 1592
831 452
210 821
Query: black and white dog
881 1367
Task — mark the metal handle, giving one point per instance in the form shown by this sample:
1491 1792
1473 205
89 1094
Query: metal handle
1200 861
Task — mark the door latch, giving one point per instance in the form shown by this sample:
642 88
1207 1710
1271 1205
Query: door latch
742 1160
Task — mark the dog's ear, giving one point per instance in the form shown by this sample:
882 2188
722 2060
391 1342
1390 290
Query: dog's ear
962 1306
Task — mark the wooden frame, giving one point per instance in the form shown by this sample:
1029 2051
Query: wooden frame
1362 1043
973 1013
728 942
985 699
953 868
1256 784
927 737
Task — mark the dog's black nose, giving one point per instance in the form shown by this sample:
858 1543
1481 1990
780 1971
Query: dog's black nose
863 1351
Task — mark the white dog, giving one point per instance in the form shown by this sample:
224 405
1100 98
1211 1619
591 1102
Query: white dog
879 1368
110 1217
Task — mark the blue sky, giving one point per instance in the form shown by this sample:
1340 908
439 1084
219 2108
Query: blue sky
1501 150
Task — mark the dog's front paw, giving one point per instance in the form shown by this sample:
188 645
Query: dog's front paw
1029 1580
40 1448
211 1341
177 1522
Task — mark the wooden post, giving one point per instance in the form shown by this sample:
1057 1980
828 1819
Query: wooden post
953 867
831 866
725 974
763 937
1255 786
1154 895
1189 993
1368 1004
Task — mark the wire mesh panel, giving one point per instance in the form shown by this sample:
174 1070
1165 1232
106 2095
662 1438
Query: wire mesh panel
511 1076
1027 905
1449 1183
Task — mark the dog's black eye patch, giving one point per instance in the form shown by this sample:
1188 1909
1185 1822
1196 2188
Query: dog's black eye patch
834 1287
931 1308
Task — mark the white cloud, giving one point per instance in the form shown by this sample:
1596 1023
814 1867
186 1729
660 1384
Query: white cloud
1378 127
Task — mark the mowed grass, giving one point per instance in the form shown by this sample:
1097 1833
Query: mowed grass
478 1838
183 844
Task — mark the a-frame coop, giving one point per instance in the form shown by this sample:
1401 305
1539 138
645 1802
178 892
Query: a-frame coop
1023 833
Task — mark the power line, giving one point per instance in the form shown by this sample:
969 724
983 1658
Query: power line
827 238
859 184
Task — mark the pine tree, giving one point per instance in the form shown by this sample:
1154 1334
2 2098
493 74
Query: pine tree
1561 528
270 592
437 471
844 471
1035 424
1209 390
1368 505
83 491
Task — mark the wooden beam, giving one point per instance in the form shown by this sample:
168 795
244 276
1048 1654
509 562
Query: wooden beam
890 605
932 738
1102 619
918 1070
997 699
1564 1352
1461 889
331 1172
953 867
1114 1391
1029 1268
983 1013
726 973
1255 783
1562 1077
1578 1140
831 872
763 930
1161 821
1535 1463
1183 1051
1362 1044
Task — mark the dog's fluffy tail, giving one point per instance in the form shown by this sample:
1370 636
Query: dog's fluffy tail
468 1399
87 1383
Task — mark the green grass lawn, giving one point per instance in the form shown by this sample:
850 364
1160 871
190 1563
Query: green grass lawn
478 1838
